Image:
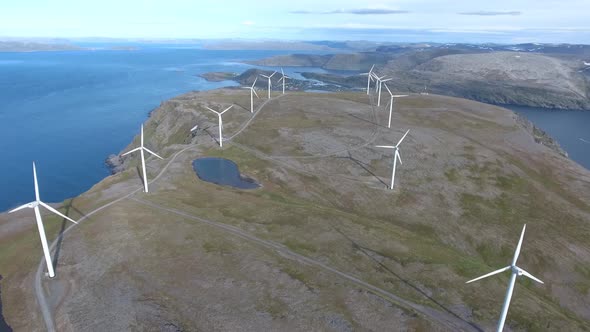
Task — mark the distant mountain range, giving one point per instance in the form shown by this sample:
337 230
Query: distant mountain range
551 76
23 46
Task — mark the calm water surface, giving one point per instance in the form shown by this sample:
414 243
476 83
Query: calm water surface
222 172
69 110
570 128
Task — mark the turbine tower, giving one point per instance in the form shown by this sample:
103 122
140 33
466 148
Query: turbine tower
220 123
252 93
35 206
269 82
141 149
380 80
369 78
391 103
516 272
283 78
396 156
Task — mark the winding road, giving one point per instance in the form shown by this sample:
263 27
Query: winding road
442 318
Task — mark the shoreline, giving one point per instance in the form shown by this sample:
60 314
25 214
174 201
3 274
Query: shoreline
115 164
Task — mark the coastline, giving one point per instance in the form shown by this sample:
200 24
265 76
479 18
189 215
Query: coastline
153 116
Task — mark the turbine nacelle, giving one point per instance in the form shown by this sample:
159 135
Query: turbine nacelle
516 272
35 205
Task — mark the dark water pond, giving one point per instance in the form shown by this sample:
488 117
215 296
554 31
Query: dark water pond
223 172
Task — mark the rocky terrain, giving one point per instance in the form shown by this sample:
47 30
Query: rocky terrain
508 75
323 245
218 76
247 79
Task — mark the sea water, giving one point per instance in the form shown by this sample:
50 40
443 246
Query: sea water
69 110
571 129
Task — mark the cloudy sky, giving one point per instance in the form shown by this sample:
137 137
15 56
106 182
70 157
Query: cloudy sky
401 20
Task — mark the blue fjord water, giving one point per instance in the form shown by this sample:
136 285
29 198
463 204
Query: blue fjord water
570 128
222 172
69 110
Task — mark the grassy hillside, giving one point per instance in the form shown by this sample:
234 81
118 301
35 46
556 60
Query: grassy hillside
322 245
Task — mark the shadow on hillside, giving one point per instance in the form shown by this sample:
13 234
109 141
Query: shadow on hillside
405 281
365 120
4 327
215 138
137 168
70 207
364 166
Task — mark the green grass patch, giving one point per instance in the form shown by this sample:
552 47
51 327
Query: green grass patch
452 175
299 246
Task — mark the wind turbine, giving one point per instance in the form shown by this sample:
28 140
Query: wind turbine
35 206
369 77
252 93
425 91
142 148
381 80
269 82
516 272
396 156
391 103
220 122
284 78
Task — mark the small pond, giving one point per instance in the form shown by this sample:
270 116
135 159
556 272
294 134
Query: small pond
223 172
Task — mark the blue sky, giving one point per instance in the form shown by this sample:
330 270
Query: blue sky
401 20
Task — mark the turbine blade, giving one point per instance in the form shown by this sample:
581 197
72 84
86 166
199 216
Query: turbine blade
150 151
227 109
141 135
489 274
526 274
271 75
207 107
371 70
517 251
282 72
386 87
19 208
195 127
385 146
57 212
399 96
128 152
36 183
400 141
399 156
387 79
255 93
264 75
253 84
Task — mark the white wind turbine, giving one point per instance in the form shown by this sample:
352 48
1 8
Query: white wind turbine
269 82
252 93
35 206
381 80
141 149
220 122
516 272
396 156
369 78
391 103
283 78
